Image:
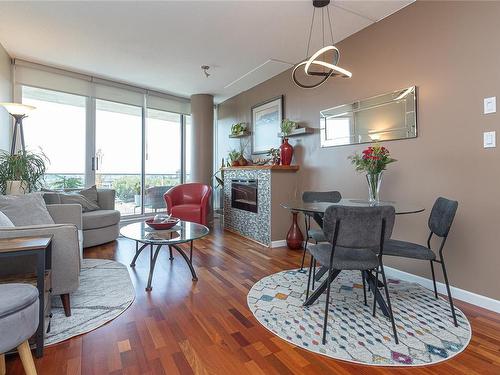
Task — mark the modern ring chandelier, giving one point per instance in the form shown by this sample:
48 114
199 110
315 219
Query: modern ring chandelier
329 69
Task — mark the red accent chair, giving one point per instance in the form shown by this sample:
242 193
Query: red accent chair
189 202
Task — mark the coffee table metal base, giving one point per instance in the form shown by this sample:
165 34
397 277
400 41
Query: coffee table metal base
153 255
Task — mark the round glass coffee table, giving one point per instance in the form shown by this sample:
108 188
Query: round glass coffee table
183 232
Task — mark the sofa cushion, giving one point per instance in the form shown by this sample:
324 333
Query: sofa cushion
100 218
27 209
5 222
87 204
91 194
51 197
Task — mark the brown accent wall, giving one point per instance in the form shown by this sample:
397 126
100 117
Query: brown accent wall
451 52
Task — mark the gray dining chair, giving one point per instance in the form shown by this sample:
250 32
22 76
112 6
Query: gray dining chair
316 234
353 233
440 221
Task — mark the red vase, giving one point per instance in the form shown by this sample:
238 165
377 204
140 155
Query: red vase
286 152
294 237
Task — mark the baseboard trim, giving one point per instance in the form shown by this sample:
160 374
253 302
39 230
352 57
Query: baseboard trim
457 293
279 243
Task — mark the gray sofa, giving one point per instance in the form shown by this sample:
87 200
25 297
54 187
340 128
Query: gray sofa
66 249
99 226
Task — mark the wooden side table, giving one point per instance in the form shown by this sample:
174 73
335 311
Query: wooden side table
41 247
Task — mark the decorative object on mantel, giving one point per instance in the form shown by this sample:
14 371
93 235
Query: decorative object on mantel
266 123
274 153
294 237
373 161
286 152
21 172
234 157
239 130
333 68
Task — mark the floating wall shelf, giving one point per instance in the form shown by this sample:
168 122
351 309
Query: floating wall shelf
298 131
241 135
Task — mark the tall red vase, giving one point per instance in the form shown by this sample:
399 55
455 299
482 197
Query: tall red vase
286 152
294 237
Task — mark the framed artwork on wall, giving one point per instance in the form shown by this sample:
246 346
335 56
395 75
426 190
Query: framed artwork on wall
266 124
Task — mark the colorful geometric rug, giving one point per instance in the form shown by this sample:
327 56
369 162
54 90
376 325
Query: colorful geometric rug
425 328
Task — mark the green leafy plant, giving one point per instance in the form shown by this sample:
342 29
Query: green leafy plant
234 155
372 160
65 182
25 166
288 126
239 128
274 153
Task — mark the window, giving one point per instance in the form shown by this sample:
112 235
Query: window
57 128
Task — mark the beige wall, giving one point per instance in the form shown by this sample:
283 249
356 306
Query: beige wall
450 51
5 96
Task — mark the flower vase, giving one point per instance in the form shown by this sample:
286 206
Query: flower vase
374 180
286 152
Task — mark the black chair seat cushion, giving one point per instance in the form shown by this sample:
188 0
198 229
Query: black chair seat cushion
408 250
344 258
317 235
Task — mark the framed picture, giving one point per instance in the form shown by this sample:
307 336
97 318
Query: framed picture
266 124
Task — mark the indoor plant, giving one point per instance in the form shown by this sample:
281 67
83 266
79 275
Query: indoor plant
274 153
286 149
238 129
287 127
21 172
234 157
373 161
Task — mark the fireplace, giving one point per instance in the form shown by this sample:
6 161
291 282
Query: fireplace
244 195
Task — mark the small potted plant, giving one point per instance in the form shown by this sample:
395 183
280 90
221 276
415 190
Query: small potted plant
373 161
287 127
234 157
238 129
22 172
274 153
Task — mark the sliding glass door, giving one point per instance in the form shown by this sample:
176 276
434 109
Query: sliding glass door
163 166
57 128
135 150
118 145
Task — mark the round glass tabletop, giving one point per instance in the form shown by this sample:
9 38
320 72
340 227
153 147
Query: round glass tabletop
320 207
184 231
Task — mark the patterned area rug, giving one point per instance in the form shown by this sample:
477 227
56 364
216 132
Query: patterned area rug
105 292
425 328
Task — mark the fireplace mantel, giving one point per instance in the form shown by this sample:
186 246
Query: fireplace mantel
290 168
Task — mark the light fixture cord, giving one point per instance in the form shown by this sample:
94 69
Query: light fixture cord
330 22
310 33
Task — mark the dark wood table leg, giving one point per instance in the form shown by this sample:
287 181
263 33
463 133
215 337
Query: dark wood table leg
40 284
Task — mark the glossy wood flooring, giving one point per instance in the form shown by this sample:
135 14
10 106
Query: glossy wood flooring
183 327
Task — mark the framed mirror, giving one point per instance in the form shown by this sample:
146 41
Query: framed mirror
384 117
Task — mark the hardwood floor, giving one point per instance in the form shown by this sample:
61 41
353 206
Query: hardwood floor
185 327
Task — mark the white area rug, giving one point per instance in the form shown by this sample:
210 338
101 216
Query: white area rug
425 328
105 292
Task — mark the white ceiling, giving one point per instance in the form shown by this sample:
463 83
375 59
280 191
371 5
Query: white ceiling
161 45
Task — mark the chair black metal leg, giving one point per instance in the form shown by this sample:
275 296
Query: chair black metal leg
434 280
449 293
309 277
389 304
374 294
364 286
327 304
314 272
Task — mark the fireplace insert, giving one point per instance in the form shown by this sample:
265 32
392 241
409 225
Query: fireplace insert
244 195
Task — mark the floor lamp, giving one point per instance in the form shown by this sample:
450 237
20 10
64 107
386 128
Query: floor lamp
19 112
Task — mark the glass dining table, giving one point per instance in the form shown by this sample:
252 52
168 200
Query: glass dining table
317 211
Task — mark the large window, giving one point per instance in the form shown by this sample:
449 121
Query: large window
57 128
94 141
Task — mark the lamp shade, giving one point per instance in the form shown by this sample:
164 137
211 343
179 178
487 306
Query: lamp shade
17 109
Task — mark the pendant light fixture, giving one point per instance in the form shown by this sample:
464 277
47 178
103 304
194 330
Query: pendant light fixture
315 66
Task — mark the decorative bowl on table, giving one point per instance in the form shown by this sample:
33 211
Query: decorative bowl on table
164 224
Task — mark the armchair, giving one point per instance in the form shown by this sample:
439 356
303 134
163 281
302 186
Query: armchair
66 249
189 202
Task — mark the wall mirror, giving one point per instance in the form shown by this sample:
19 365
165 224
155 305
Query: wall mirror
380 118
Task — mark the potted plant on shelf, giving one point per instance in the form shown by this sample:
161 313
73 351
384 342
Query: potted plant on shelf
286 149
238 129
373 161
234 157
21 172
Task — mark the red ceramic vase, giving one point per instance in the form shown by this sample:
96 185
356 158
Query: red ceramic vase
294 237
286 152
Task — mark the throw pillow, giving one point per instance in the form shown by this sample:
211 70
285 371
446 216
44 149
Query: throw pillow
5 221
91 194
27 209
77 198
